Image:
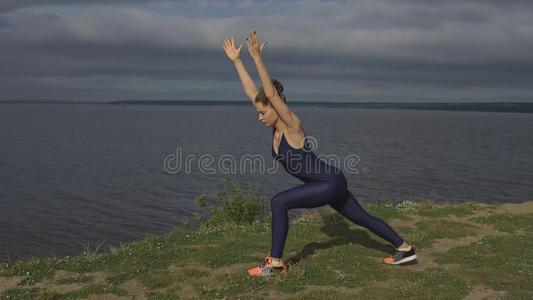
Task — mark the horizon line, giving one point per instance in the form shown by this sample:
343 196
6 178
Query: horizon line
164 101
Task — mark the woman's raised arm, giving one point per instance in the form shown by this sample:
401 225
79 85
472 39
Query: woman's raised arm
279 106
233 54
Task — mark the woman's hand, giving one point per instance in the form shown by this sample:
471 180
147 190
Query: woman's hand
229 47
253 46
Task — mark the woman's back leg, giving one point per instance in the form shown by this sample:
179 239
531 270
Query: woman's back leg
349 207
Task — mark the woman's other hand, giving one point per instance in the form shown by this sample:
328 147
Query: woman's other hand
253 46
229 47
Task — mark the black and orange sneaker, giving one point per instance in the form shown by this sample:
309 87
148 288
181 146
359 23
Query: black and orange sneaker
267 268
401 257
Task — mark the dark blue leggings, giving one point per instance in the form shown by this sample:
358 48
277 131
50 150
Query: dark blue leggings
315 194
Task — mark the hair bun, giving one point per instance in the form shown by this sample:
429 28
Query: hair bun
278 86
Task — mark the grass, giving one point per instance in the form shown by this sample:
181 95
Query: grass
431 284
459 210
502 262
427 232
21 293
93 289
329 258
508 222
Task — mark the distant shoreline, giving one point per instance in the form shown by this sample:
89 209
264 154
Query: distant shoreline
515 107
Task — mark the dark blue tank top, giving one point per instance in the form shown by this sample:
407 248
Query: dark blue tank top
303 163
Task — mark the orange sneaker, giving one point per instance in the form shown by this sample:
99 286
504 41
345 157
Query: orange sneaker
266 268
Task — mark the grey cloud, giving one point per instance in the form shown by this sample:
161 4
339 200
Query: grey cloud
396 49
451 42
10 5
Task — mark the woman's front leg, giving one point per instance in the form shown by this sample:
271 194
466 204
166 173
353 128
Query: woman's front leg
308 195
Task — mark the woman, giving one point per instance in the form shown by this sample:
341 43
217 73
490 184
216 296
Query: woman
323 184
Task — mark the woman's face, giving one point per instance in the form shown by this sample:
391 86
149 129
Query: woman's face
266 114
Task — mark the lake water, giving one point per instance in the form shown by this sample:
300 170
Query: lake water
78 174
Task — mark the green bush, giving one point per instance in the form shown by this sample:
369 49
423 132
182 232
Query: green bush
231 205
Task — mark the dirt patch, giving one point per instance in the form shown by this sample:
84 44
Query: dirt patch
268 293
424 256
210 281
7 283
62 274
189 264
185 287
189 290
99 277
515 208
51 284
336 289
443 245
231 269
481 231
423 261
135 288
411 222
213 280
108 297
59 288
481 292
186 291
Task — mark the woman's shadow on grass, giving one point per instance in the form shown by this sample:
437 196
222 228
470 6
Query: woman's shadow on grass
336 227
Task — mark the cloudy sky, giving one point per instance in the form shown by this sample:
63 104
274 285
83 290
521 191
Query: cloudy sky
361 50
